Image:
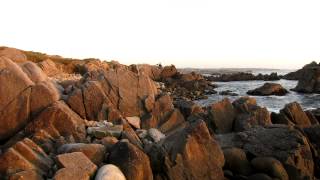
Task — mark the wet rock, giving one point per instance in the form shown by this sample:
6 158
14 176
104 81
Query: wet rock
73 165
95 152
134 163
236 161
25 155
285 144
271 166
222 115
189 153
269 89
109 172
228 93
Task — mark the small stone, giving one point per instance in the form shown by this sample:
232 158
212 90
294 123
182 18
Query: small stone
134 121
110 172
156 135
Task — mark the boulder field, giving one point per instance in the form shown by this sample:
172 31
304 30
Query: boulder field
87 119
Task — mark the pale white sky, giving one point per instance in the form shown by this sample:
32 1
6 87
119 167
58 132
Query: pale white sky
188 33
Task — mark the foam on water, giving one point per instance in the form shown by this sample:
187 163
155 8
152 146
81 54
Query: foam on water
272 103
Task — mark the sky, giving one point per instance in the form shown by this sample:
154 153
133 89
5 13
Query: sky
187 33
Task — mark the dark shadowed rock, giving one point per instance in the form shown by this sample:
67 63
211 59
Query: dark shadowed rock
189 153
313 134
285 144
309 79
236 161
222 115
269 89
270 166
187 108
134 163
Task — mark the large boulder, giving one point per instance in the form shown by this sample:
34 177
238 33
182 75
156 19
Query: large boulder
168 71
25 155
189 153
313 134
286 144
59 120
133 162
49 67
249 114
74 165
107 91
95 152
309 80
109 172
269 89
295 114
222 115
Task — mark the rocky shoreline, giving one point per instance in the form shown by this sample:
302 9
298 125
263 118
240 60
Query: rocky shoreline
89 119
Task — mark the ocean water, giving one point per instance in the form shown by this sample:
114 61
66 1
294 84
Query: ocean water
272 103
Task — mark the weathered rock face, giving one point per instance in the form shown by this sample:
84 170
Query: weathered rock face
25 155
296 115
153 72
168 71
134 164
121 89
74 165
13 54
189 153
95 152
309 82
298 74
236 161
163 106
313 134
287 145
222 115
59 120
49 67
249 114
270 166
269 89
